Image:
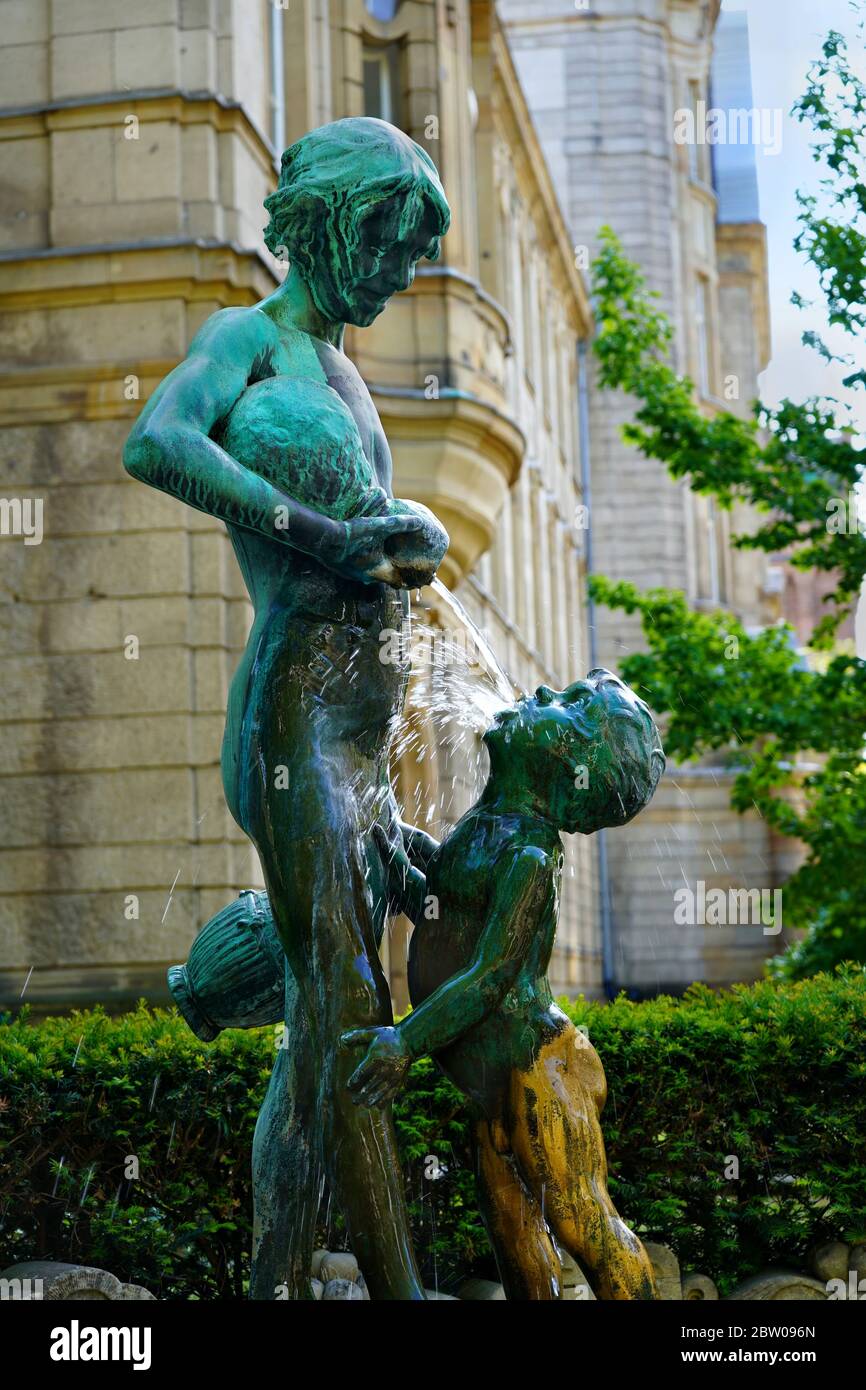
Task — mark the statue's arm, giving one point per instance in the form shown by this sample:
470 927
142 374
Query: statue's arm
420 847
524 892
170 448
406 858
521 896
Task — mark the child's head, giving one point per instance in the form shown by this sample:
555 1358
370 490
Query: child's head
590 755
358 203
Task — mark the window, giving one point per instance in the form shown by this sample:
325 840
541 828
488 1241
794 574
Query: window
698 148
703 334
693 148
382 82
382 9
710 546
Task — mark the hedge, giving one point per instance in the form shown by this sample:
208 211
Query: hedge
735 1129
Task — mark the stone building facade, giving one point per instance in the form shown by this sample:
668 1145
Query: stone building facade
604 83
136 147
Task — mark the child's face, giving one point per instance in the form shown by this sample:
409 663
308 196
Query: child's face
566 747
380 265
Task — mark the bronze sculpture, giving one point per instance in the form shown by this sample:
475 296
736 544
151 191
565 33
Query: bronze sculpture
573 761
567 762
268 426
320 542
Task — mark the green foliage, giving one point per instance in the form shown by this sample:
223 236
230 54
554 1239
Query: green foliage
723 688
790 464
834 105
86 1092
432 1135
793 464
798 471
770 1073
79 1095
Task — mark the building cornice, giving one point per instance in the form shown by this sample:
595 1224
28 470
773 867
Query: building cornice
148 104
196 268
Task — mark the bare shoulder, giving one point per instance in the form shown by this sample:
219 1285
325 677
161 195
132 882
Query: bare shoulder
522 876
231 348
235 335
524 861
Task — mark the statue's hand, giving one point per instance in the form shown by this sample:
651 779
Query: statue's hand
406 884
383 1070
356 549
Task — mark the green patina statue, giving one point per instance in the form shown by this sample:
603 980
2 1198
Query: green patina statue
578 760
268 426
574 761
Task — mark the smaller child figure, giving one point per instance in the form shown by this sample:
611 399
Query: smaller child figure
485 903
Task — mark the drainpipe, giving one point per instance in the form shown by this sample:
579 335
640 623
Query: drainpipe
607 960
278 90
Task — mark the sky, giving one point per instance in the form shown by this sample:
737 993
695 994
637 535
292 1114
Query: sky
785 36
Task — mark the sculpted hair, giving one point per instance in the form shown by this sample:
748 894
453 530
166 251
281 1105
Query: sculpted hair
333 177
640 762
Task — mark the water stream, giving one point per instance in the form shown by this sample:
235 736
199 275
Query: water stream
457 686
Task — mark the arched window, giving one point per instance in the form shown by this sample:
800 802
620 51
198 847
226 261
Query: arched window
382 82
382 9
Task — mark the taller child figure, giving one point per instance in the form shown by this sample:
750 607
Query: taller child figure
268 426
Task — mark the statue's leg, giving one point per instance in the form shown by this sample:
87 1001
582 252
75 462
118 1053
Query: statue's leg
324 912
367 1183
360 1147
557 1139
528 1264
286 1166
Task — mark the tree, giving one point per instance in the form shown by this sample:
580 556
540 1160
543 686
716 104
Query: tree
793 729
